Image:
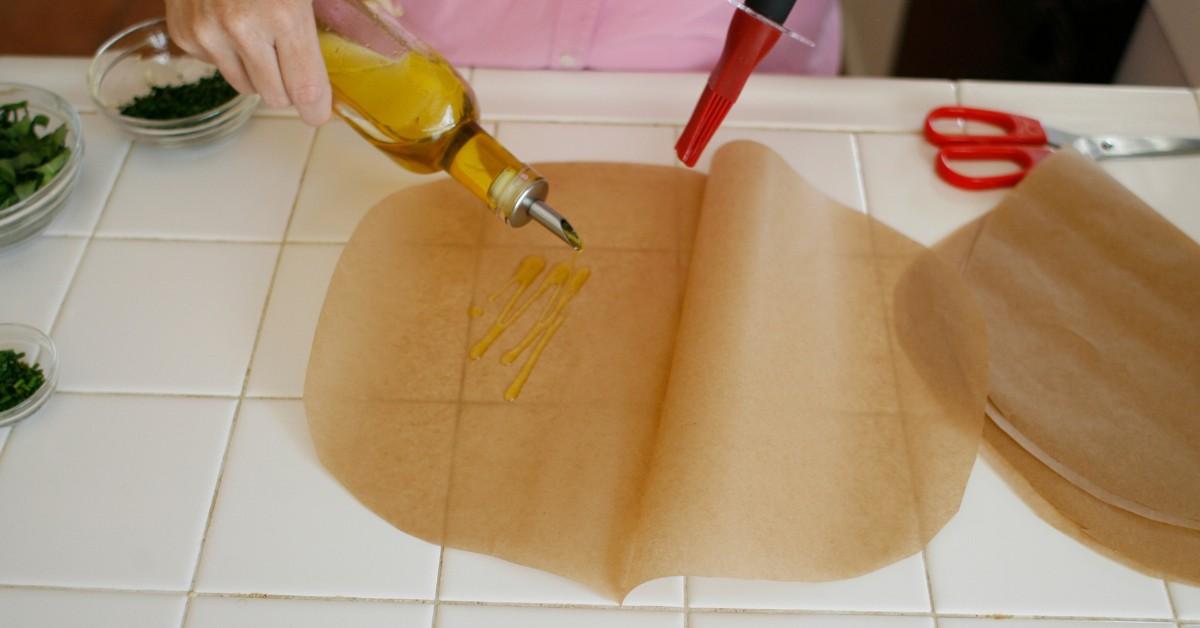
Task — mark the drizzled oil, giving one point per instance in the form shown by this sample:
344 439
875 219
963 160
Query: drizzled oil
557 289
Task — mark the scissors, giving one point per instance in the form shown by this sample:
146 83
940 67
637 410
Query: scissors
1025 142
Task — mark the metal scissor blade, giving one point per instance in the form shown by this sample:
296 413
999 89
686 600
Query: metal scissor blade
1115 146
1059 138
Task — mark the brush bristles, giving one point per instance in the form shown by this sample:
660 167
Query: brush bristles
706 118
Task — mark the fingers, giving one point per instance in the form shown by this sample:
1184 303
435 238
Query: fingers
303 71
262 65
222 55
267 47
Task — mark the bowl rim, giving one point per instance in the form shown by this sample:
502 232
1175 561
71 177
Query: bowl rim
96 77
74 125
40 396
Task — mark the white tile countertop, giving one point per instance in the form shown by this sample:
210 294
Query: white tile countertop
171 482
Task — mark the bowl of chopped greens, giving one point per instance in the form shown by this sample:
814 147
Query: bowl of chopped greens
158 93
28 371
41 144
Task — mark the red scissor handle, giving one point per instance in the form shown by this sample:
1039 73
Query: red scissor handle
1017 129
1024 156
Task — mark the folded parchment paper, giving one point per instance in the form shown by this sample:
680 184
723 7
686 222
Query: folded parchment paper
809 410
1093 302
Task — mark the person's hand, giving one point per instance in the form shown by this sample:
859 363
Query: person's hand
264 46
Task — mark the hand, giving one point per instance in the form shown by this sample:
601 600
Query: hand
264 46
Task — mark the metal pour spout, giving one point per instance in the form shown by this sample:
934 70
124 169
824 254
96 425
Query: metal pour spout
555 223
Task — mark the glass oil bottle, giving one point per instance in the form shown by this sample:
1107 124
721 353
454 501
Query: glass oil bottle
406 100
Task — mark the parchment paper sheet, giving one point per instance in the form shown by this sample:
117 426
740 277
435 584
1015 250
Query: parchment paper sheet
1092 302
810 409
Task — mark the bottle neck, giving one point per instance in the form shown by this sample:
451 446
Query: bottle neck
494 175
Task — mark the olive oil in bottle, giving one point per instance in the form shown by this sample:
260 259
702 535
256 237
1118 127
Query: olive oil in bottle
410 103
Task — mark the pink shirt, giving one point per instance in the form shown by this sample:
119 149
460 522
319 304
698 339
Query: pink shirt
662 35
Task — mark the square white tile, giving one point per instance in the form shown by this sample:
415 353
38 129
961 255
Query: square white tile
110 492
534 142
346 176
1170 185
159 317
825 159
225 612
281 357
905 193
34 608
658 592
65 76
104 150
284 525
980 622
1187 600
240 188
899 587
1091 108
586 96
752 620
997 556
472 577
455 616
35 275
844 104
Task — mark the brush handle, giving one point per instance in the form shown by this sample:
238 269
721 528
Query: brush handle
775 10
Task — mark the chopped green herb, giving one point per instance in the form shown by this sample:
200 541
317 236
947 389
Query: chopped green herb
18 380
28 159
180 101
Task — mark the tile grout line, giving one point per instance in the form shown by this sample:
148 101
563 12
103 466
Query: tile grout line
127 393
929 585
462 384
71 589
675 124
860 178
87 247
62 304
182 240
237 408
595 607
436 245
861 181
196 239
687 602
924 550
1171 603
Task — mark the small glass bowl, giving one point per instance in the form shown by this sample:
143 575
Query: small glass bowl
38 349
30 216
142 57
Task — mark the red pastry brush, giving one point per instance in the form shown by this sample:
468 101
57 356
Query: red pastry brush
755 28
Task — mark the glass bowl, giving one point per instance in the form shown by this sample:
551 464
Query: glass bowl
38 349
142 57
30 216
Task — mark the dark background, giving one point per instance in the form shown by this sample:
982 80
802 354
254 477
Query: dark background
67 27
1066 41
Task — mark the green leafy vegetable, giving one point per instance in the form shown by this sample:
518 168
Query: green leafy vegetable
180 101
18 380
29 159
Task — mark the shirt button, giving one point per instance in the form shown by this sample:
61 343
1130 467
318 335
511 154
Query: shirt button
567 61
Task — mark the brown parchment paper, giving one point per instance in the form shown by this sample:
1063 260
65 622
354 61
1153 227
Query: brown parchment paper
809 410
1156 548
1092 301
